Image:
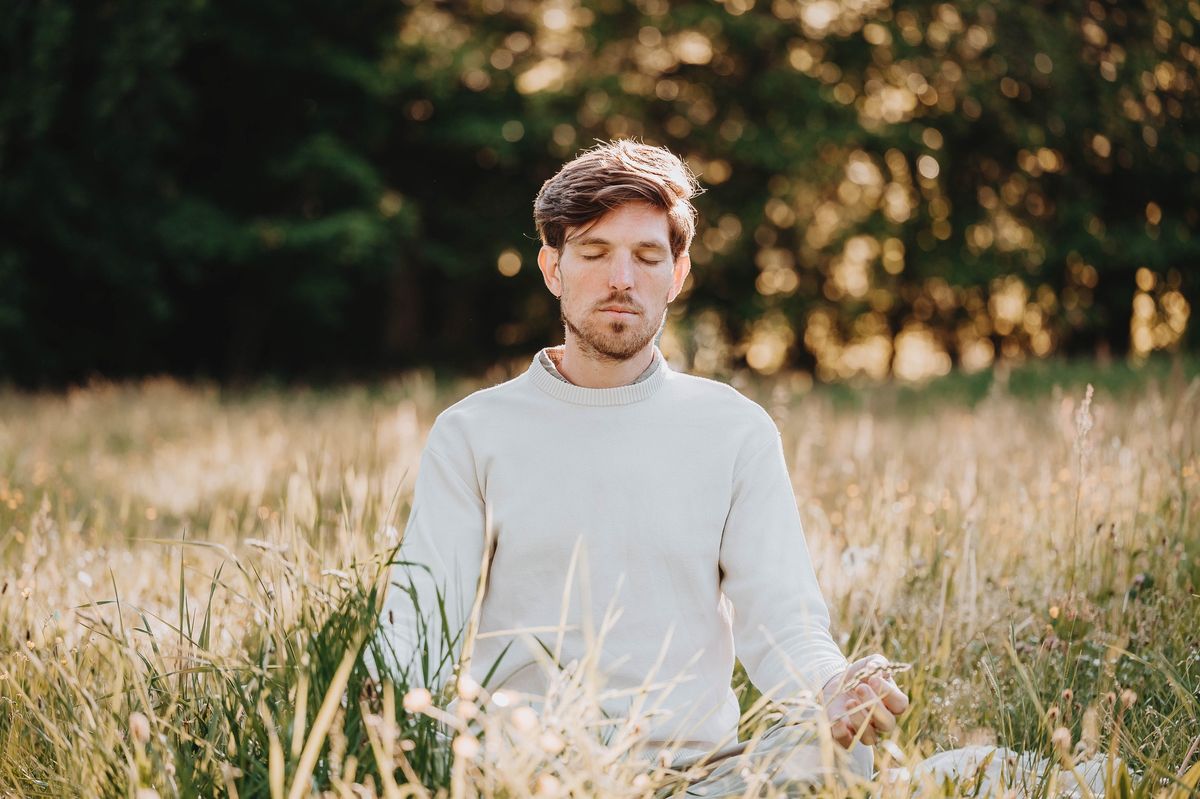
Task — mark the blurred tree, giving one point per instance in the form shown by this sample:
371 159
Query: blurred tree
309 190
88 102
283 222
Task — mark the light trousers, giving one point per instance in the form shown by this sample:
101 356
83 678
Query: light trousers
788 760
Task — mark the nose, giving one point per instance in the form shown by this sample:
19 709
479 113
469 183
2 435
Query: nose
620 275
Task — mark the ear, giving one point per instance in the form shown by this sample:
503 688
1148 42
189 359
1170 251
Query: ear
683 265
548 262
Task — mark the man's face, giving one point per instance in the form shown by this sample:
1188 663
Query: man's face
615 278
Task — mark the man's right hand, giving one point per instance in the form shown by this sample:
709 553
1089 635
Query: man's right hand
863 697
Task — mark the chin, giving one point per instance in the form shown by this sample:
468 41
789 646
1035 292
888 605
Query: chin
611 340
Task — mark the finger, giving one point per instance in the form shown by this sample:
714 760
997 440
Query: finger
841 727
895 700
864 732
836 708
859 707
880 718
843 733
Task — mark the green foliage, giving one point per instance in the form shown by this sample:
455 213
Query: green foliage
307 189
216 722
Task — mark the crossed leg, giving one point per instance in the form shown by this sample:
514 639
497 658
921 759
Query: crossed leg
788 758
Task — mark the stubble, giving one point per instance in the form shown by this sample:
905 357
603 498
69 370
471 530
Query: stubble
612 340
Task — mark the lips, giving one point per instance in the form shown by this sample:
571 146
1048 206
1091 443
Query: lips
617 310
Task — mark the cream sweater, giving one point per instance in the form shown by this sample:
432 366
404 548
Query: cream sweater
664 502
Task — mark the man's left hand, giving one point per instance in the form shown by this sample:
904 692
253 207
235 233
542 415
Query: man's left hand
863 698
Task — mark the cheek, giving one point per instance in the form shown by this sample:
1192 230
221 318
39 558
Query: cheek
662 285
584 284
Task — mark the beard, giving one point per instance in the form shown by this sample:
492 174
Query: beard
613 340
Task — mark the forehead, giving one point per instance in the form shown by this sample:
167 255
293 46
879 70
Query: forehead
631 223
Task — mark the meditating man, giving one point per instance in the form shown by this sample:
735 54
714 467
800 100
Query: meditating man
668 492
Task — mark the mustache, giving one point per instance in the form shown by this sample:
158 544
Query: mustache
621 300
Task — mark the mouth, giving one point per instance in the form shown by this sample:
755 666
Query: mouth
617 311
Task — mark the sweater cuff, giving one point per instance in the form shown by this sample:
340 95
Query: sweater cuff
823 672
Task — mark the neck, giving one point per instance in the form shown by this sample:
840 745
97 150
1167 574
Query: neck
589 371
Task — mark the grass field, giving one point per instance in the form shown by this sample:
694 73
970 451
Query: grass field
188 576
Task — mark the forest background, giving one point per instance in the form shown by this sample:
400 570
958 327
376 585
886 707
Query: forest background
316 191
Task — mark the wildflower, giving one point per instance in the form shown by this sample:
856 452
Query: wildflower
1083 418
139 727
1061 738
1083 425
467 687
552 742
1090 732
466 746
547 785
524 719
418 700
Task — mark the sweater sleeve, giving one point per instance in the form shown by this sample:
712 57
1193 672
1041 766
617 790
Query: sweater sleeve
437 566
780 620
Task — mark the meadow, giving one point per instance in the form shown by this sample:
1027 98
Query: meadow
189 577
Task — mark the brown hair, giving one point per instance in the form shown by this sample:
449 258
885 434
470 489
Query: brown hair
610 175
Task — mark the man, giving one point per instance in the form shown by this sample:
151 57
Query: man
671 489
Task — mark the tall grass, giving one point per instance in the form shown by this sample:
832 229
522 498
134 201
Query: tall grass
189 583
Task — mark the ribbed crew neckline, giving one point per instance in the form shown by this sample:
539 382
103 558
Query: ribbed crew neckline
580 395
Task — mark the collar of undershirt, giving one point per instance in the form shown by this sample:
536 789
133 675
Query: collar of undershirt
550 358
557 386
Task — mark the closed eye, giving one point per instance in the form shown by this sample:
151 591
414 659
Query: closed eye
650 261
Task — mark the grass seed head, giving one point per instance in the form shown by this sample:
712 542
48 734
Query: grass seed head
466 746
467 687
418 700
1061 738
547 785
551 742
525 719
139 728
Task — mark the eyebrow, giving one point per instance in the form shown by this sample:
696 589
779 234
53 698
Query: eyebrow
641 245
